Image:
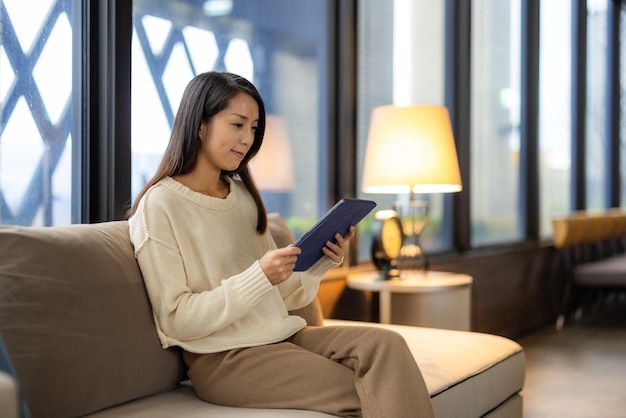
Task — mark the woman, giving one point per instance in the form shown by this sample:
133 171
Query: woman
221 290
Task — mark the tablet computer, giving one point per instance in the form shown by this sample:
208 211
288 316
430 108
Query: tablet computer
347 212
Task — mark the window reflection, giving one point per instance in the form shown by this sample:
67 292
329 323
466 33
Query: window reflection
36 114
495 119
555 136
596 133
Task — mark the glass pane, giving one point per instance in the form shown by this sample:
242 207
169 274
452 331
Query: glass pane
400 61
495 121
37 113
280 47
596 154
555 139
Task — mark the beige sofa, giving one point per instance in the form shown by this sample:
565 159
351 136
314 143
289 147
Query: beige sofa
77 326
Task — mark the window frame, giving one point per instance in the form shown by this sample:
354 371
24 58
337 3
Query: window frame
106 127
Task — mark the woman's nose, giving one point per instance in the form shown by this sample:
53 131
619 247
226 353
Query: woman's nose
248 139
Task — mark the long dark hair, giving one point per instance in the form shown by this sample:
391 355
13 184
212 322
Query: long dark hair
206 95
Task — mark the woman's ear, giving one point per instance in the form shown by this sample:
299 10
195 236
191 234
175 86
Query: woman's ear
202 131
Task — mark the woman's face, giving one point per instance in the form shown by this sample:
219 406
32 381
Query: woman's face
227 137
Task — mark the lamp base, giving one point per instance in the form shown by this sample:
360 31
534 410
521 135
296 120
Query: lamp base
388 273
413 257
414 217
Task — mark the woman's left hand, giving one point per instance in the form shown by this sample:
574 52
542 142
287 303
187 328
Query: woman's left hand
336 250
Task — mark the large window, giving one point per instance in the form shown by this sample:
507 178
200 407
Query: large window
53 79
37 82
555 133
400 61
495 121
281 46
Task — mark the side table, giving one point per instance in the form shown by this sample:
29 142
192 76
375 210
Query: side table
427 299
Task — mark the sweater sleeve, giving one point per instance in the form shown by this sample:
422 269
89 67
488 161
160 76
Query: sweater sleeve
182 314
301 288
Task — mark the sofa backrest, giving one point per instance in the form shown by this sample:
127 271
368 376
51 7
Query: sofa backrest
76 320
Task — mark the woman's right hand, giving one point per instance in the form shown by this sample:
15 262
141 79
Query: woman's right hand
278 264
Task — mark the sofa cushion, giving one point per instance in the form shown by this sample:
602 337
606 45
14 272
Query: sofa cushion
76 320
467 374
607 272
183 402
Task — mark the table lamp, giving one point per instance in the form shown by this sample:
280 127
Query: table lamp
410 150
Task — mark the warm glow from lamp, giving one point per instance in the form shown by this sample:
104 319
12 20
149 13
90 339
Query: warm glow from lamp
411 149
272 167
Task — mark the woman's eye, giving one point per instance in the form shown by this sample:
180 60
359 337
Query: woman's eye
238 125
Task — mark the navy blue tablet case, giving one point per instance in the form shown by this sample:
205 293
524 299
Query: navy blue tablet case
347 212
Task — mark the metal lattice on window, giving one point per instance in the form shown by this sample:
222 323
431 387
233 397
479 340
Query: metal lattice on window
41 95
35 112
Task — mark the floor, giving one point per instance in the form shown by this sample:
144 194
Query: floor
579 371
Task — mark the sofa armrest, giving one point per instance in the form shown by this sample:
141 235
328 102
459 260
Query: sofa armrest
9 400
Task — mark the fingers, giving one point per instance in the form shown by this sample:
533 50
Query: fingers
350 233
342 240
278 264
332 255
285 261
283 266
336 250
289 250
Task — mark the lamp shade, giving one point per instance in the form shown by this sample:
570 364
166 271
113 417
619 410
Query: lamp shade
411 149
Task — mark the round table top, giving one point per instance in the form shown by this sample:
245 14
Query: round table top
409 281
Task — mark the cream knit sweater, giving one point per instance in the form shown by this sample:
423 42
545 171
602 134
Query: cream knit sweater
199 259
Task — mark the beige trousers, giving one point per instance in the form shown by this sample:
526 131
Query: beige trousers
344 371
